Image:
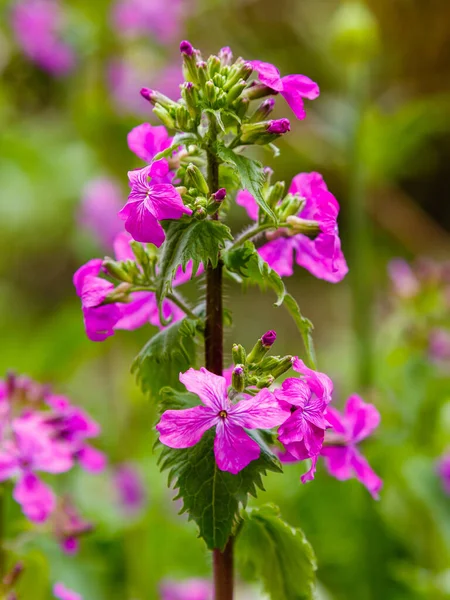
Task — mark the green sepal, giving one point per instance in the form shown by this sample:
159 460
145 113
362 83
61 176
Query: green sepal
180 139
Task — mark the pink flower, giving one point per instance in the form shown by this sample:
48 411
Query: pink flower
37 25
149 203
69 526
61 592
443 470
147 140
439 344
233 448
102 199
344 460
293 88
321 256
403 278
189 589
102 321
130 487
157 17
32 448
303 432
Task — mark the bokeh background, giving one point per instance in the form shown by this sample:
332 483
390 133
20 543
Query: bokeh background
380 135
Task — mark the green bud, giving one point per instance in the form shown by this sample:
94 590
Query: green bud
219 80
283 366
291 205
240 70
202 73
190 70
305 226
236 91
239 354
190 96
196 179
200 213
238 378
263 110
261 348
213 65
257 90
183 118
120 294
164 116
276 192
265 382
117 270
221 101
241 106
211 92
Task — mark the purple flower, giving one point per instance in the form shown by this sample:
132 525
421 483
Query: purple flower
189 589
403 278
321 256
69 526
303 432
269 338
344 460
149 203
102 199
163 19
147 140
279 126
293 88
443 470
186 48
131 489
439 344
220 195
61 592
37 25
233 448
101 321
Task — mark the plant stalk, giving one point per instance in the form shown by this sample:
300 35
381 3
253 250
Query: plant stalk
222 561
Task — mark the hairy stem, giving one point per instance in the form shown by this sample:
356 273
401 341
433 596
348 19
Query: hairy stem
255 231
222 561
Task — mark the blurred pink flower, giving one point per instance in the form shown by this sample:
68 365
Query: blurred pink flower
403 278
189 589
164 20
128 482
69 526
439 344
443 470
101 201
37 25
61 592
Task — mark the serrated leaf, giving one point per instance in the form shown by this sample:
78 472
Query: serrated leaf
270 551
251 174
180 139
246 262
211 497
304 326
165 355
199 241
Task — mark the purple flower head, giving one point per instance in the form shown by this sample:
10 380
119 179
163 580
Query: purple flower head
293 88
279 126
186 48
102 199
268 339
220 195
233 448
61 592
149 203
344 460
189 589
443 470
307 399
37 26
164 20
403 278
321 256
131 489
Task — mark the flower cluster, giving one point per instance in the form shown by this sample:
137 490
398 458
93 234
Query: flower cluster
308 427
43 432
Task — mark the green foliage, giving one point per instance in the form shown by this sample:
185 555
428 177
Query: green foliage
199 241
269 550
167 353
251 174
304 326
247 263
178 140
212 497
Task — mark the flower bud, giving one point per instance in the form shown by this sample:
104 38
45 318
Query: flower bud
263 110
262 347
200 213
239 71
183 118
282 367
186 48
226 55
221 101
265 382
141 254
268 339
291 205
210 92
236 91
164 116
218 80
119 294
220 195
304 226
276 192
202 73
263 132
238 378
279 126
258 90
195 178
190 96
190 58
213 66
239 354
117 270
240 106
157 98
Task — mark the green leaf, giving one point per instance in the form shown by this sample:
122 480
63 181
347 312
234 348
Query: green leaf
305 327
211 497
251 174
167 353
246 262
199 241
180 139
270 551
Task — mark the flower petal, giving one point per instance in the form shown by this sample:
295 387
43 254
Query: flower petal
319 383
279 254
294 89
122 248
184 428
258 412
141 223
91 459
362 418
295 391
62 593
210 388
37 499
338 461
147 140
91 268
268 74
167 202
245 199
365 474
233 448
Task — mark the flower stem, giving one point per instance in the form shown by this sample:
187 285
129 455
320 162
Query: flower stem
255 231
222 561
181 304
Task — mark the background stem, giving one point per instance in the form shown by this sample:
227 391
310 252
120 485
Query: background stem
222 561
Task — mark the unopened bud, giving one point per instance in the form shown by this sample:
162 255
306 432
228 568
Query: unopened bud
182 190
263 110
186 48
141 254
190 58
275 194
265 382
279 126
157 98
239 71
213 65
260 349
190 96
238 378
236 91
210 92
202 73
283 366
304 226
240 106
268 339
200 213
258 90
183 118
264 131
239 354
116 269
220 195
195 178
164 116
226 55
291 205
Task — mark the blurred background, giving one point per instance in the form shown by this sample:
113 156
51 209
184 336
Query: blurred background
380 135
